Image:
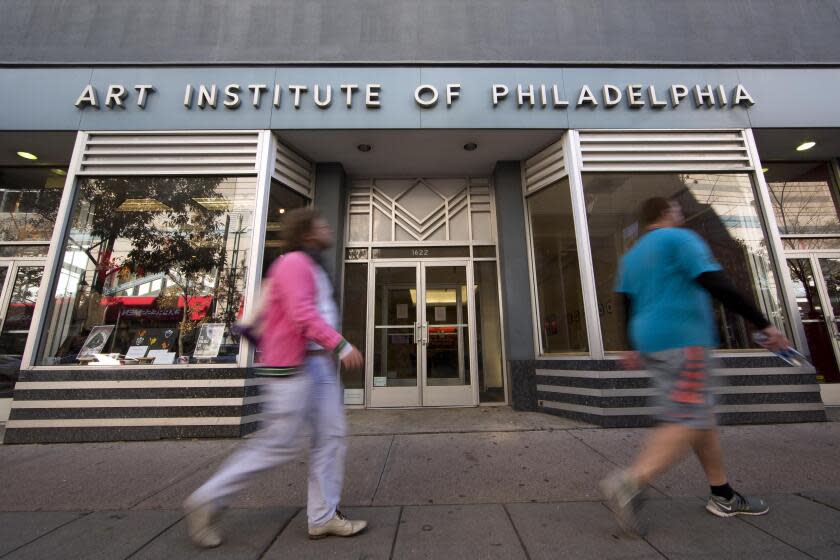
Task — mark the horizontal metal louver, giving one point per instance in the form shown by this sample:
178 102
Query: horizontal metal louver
545 168
170 153
293 170
663 150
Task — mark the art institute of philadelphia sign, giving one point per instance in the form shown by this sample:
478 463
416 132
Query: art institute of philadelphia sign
426 96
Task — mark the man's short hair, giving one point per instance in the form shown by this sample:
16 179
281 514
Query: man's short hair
653 209
296 225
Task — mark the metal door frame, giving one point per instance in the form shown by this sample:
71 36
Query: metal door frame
822 291
395 396
450 395
422 395
14 263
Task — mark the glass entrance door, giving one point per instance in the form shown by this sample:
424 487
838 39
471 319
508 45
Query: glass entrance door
19 280
421 347
816 281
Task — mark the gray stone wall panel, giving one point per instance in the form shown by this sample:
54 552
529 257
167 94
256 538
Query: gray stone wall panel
544 31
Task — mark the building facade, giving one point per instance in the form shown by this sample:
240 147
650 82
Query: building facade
482 187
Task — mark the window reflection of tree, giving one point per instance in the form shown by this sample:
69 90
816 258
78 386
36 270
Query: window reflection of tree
169 232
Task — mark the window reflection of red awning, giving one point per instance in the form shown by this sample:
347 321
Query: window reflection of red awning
198 305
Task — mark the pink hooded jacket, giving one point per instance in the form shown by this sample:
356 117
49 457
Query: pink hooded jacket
290 316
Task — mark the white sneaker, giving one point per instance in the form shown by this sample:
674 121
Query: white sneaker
339 526
201 520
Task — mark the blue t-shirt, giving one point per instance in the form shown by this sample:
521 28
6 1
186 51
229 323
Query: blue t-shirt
668 308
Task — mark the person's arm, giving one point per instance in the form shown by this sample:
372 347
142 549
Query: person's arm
296 277
721 288
630 359
626 309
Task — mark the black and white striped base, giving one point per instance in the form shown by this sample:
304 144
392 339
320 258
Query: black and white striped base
749 391
72 405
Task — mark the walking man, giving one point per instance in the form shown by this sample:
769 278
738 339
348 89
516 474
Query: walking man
295 330
666 280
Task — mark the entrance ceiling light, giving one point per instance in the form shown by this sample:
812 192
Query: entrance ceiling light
57 171
470 146
363 147
764 170
805 146
27 155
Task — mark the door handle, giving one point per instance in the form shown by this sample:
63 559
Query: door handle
425 331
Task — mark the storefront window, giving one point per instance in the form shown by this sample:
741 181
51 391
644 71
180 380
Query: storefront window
153 271
557 273
353 318
805 203
29 199
491 384
281 200
721 208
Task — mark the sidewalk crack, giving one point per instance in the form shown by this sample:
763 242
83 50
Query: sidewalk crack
80 515
173 483
396 532
516 532
382 473
608 460
265 550
774 537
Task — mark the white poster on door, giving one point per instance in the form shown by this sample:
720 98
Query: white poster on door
402 311
440 314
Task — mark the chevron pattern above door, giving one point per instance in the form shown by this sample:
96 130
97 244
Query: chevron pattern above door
420 211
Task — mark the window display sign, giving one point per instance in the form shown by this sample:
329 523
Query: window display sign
162 357
156 338
95 341
135 352
209 340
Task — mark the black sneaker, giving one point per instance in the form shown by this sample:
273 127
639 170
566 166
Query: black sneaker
738 505
625 499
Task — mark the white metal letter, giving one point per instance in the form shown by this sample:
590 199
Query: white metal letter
722 94
372 96
115 96
422 89
232 100
142 94
323 104
500 91
277 91
297 89
704 97
87 98
207 97
678 92
348 89
586 96
555 92
654 102
521 95
188 96
258 90
634 96
453 92
612 95
741 95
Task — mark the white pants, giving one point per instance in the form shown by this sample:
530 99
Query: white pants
310 399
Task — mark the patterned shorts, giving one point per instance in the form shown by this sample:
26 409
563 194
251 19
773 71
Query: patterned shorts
685 386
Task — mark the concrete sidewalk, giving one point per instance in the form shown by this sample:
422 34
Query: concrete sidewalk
476 483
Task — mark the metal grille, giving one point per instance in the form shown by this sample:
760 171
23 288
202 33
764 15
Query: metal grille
293 170
663 151
545 168
170 153
421 210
